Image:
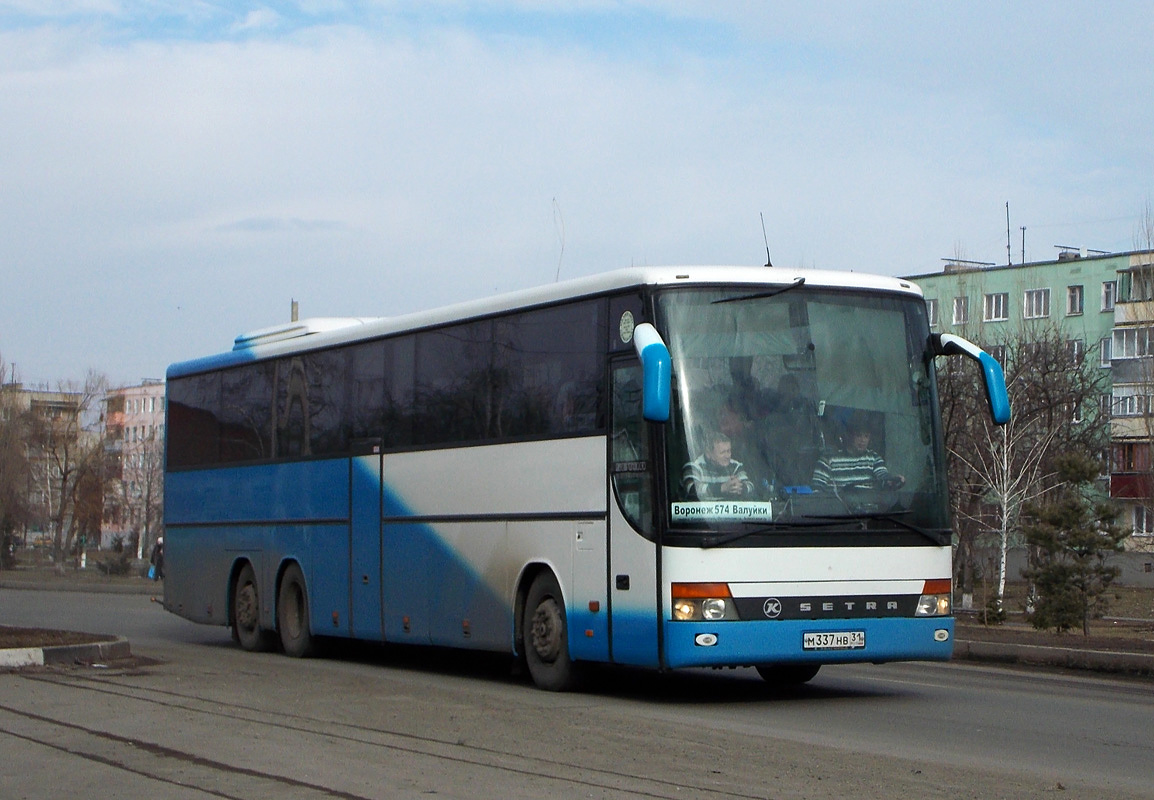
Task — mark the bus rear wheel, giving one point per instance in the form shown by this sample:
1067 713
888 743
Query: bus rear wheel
546 634
292 614
787 674
246 627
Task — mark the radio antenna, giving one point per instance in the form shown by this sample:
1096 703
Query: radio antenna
559 225
768 260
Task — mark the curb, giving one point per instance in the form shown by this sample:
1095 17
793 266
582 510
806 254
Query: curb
94 652
1065 657
149 587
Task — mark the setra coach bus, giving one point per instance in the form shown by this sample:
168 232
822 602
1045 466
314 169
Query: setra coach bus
658 467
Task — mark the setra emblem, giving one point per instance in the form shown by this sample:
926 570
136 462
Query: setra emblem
772 608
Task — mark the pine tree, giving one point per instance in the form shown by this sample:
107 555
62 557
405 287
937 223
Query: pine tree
1072 533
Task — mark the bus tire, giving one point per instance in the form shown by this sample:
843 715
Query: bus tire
787 674
546 634
292 614
246 627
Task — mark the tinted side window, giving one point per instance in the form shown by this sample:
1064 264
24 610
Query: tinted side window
399 392
457 393
193 426
365 397
246 412
310 403
534 373
553 363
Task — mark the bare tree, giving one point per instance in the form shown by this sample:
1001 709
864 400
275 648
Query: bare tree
69 463
995 471
14 510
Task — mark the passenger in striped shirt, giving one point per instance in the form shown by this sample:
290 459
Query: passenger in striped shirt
855 465
714 474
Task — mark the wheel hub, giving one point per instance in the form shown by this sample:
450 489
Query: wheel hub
546 633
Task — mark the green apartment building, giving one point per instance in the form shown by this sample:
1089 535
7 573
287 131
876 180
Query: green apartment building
1102 304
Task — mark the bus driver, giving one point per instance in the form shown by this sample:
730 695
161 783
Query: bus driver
854 465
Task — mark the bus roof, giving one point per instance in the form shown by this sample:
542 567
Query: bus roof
313 334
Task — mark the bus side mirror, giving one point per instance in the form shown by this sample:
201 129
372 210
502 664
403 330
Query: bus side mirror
946 344
656 372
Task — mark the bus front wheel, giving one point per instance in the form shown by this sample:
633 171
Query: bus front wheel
787 674
246 627
546 634
292 614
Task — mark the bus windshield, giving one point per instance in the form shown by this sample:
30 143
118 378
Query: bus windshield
802 410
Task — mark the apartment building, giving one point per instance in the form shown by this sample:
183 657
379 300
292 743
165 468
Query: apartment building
134 437
1102 304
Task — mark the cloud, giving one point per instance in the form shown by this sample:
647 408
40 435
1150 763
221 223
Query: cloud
259 19
280 225
385 160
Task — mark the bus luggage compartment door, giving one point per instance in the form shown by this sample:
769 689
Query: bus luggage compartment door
365 530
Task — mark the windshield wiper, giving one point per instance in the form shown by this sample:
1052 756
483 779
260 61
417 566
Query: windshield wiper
775 527
760 295
884 516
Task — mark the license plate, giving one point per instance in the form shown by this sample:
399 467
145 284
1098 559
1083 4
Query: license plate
833 640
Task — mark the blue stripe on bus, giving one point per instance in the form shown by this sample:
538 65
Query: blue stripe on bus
426 581
303 491
780 641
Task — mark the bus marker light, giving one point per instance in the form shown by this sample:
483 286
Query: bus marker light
941 635
700 590
937 586
705 639
588 633
594 606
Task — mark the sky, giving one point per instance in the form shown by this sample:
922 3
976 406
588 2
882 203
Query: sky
176 172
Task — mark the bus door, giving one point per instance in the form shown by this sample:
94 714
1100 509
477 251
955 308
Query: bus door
366 590
632 552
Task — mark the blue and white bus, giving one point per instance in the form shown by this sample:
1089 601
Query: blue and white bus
531 474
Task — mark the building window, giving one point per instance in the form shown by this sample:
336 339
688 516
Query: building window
1074 299
1143 521
994 307
1131 402
1109 294
932 312
961 310
998 351
1104 352
1131 343
1127 406
1127 458
1036 304
1105 404
1141 286
1075 351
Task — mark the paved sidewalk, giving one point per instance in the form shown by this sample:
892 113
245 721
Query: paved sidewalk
1112 661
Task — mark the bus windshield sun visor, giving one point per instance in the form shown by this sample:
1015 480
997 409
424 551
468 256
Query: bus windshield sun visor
656 370
946 344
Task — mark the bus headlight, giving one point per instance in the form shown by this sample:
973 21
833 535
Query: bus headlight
713 608
685 610
702 602
935 599
933 605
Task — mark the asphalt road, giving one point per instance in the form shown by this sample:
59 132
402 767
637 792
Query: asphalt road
198 718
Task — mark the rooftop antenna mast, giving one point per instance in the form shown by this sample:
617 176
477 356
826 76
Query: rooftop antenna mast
768 260
1009 258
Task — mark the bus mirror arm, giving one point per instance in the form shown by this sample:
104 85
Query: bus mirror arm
946 344
656 372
